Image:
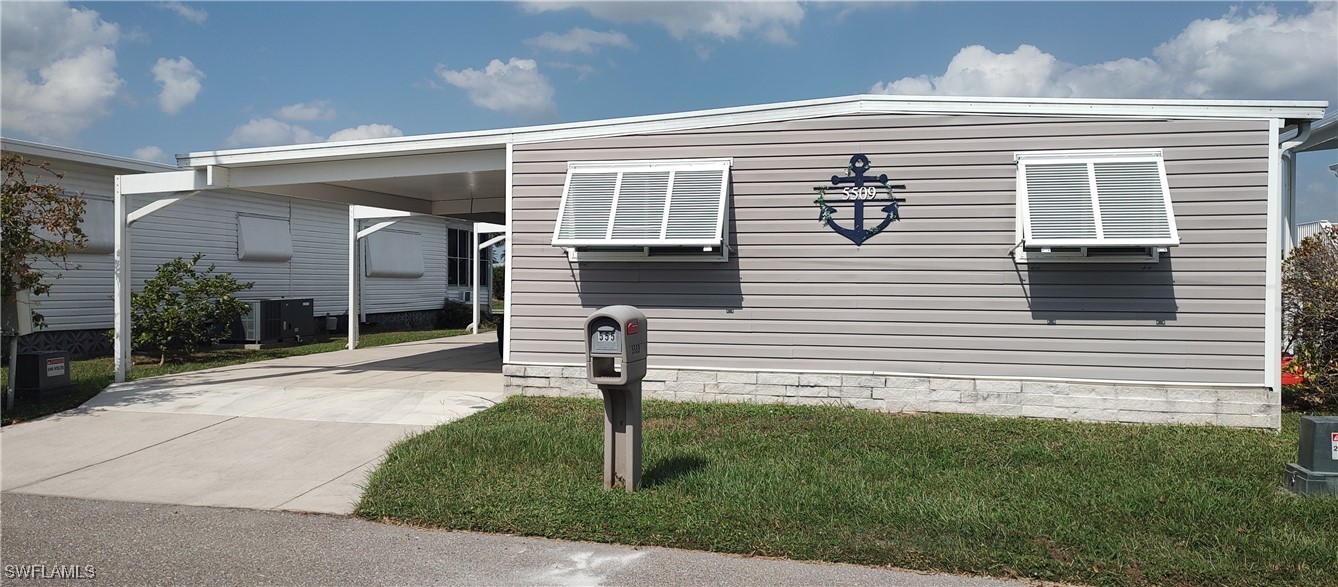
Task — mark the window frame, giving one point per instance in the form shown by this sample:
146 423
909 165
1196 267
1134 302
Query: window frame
1152 248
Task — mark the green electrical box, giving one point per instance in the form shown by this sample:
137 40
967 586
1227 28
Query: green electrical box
1315 471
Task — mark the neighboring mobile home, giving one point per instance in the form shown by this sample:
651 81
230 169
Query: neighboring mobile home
288 247
1110 260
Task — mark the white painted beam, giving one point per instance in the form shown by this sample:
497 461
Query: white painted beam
474 277
510 253
366 212
353 284
121 287
492 241
375 227
164 182
489 228
157 205
360 169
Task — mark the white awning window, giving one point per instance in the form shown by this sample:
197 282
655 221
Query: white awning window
671 203
263 238
1095 199
394 253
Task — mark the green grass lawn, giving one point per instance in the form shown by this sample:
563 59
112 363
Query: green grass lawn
89 376
1104 504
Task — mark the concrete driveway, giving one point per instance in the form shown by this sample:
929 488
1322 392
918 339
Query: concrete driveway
300 433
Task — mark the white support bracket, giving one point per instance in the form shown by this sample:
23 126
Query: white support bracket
157 205
374 228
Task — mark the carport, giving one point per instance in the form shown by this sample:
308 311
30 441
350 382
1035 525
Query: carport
461 176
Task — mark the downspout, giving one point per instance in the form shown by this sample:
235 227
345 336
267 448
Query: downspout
1289 184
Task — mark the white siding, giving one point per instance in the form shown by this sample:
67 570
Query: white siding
81 298
397 294
320 255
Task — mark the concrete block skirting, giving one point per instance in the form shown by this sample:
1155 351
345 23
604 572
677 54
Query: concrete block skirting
1224 406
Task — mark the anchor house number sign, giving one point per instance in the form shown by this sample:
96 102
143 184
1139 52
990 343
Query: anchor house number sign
859 189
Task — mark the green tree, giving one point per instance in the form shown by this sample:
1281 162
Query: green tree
41 223
1310 313
183 308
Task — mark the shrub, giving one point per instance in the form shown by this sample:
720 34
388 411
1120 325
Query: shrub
182 308
1310 315
455 315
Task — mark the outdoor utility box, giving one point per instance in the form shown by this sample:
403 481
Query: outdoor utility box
1315 471
276 320
299 317
40 372
615 346
263 322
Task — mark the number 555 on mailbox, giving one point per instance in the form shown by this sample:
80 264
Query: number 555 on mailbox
615 345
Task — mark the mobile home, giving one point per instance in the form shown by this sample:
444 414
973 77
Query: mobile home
1113 260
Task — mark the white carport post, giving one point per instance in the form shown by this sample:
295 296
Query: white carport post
356 213
182 185
485 228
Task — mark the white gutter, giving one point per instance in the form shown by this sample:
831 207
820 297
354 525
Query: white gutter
1289 184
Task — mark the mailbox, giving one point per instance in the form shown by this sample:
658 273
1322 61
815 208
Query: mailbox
615 346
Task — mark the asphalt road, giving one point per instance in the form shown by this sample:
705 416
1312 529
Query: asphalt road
125 543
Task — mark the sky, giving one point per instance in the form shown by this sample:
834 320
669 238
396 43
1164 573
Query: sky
151 80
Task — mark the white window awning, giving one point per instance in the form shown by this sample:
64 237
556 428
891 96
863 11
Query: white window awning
263 238
1095 199
643 204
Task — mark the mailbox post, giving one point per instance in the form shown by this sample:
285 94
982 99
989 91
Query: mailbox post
615 353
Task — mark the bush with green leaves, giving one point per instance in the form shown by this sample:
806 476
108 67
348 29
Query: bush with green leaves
455 315
1310 314
183 308
499 282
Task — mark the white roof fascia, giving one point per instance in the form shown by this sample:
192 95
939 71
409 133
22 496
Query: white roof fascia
862 104
53 152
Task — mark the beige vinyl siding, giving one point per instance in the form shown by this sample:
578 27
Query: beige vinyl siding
937 293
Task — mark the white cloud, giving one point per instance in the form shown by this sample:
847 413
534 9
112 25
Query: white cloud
1257 56
151 153
314 110
582 71
180 80
515 87
366 131
721 20
580 40
266 132
195 15
57 69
